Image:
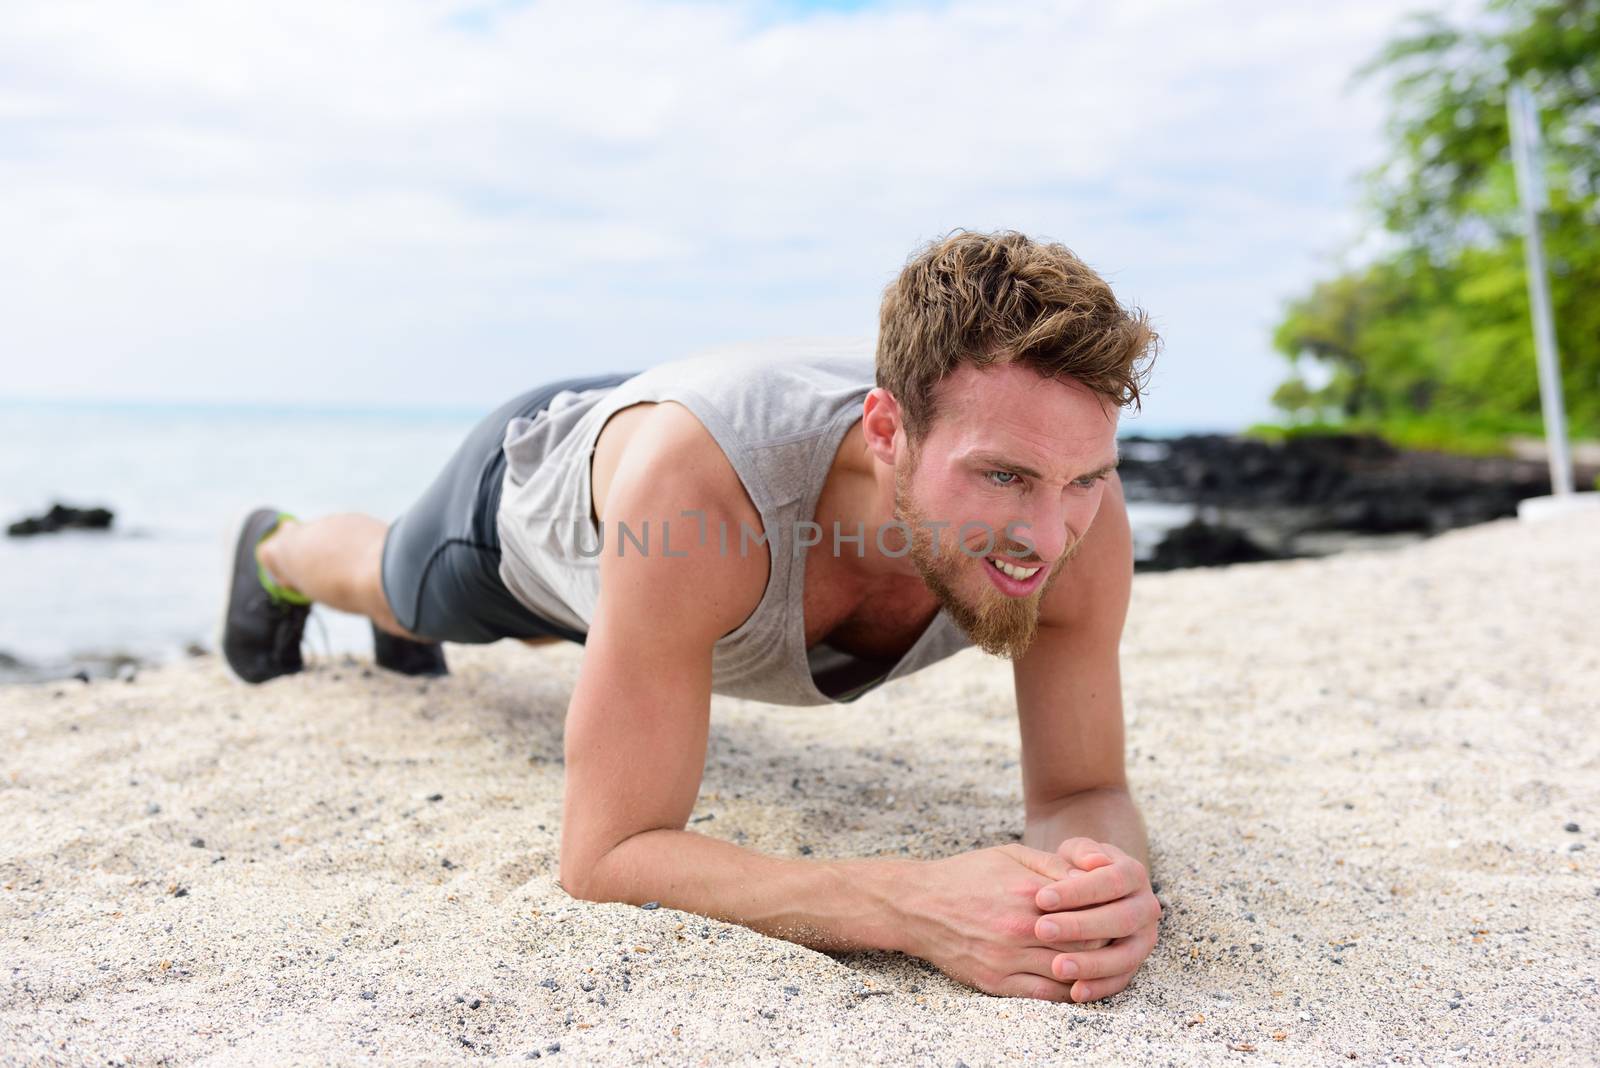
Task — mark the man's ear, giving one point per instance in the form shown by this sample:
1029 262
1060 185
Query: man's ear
880 422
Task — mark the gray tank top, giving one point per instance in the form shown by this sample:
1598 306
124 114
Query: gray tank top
779 412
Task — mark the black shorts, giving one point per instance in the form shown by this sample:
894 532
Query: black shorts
441 559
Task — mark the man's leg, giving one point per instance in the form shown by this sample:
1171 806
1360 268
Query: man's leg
336 561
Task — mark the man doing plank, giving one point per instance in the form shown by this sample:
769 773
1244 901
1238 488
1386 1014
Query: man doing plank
800 530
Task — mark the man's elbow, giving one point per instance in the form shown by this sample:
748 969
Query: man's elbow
592 874
581 881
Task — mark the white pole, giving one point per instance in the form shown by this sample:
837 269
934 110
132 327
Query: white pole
1526 158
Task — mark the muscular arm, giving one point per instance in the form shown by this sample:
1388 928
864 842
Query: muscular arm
637 724
1069 697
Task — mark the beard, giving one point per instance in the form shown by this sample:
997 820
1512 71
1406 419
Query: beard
999 625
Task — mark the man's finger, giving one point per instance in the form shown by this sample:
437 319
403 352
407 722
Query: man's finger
1078 947
1123 955
1051 866
1117 919
1028 985
1095 989
1082 888
1086 853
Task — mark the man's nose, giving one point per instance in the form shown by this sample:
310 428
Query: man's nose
1045 527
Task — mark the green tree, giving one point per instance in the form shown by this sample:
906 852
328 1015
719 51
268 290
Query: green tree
1433 341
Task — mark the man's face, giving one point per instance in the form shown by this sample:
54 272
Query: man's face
1007 447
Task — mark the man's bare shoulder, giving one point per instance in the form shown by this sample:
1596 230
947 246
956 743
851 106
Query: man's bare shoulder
666 441
671 474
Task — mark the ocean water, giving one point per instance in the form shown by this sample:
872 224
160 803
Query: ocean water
179 478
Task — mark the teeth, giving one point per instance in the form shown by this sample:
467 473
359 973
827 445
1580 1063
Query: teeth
1021 574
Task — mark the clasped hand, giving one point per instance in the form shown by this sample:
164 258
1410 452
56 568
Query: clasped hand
1105 898
1069 925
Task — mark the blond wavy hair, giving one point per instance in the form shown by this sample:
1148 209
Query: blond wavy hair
988 298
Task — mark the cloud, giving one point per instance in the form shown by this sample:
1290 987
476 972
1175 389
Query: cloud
440 202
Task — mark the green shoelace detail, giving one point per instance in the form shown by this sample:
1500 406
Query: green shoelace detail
278 592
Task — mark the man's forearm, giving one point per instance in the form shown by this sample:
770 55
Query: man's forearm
833 905
1106 815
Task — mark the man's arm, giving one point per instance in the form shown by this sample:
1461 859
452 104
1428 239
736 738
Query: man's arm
638 719
1069 696
1069 705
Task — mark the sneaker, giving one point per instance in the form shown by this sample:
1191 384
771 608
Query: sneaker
406 656
262 630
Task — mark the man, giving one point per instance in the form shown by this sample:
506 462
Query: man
815 536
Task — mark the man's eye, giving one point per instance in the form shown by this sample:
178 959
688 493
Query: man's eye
1005 474
1087 483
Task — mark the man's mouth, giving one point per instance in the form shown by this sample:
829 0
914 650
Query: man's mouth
1014 580
1021 574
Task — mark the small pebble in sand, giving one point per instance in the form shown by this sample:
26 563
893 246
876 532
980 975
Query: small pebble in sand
474 1003
550 984
369 995
447 863
152 809
198 843
436 797
181 891
554 1047
651 905
1455 1004
1573 827
806 851
1576 847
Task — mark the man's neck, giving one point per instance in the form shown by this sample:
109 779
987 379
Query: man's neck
858 494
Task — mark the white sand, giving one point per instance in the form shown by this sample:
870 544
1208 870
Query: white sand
1356 773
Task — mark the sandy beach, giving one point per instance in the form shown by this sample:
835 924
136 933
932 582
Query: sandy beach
1372 784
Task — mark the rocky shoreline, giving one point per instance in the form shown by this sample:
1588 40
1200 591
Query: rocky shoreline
1314 496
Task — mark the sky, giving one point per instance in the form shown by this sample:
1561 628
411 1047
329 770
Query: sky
424 203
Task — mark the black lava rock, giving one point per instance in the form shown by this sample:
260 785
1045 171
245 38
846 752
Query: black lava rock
1202 544
1349 484
62 517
